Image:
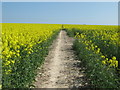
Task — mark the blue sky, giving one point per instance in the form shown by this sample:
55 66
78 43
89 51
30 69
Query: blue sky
60 12
0 12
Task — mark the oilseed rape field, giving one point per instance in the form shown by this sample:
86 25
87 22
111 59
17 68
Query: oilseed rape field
24 47
98 48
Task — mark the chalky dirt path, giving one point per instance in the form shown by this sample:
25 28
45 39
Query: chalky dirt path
61 68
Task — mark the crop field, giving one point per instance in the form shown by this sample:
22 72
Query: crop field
25 46
98 48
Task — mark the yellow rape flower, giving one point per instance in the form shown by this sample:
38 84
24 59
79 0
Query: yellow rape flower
13 61
7 63
104 62
98 50
96 46
103 56
114 58
8 71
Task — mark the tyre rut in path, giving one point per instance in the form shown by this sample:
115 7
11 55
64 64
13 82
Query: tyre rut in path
61 68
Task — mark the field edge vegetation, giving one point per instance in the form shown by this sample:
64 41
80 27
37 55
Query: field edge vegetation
92 45
24 47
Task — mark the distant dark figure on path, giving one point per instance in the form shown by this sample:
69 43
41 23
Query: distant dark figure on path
62 26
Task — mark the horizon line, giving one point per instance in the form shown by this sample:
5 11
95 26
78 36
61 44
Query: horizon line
59 23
